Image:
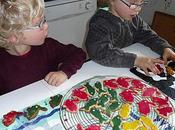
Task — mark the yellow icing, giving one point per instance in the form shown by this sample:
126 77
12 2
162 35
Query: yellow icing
142 128
148 123
125 111
131 125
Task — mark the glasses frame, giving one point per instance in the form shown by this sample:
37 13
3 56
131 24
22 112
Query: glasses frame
134 5
37 26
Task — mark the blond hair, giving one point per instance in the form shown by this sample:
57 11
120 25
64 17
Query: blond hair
15 15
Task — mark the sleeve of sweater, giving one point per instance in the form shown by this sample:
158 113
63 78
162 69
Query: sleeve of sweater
102 46
149 37
69 57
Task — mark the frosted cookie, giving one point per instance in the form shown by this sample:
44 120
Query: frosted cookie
116 122
112 84
123 82
165 112
80 94
89 89
144 107
137 84
71 105
10 117
148 123
160 101
150 92
55 100
89 104
97 114
131 125
124 111
32 112
127 95
103 100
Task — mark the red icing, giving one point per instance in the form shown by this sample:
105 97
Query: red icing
81 95
79 126
71 105
123 82
150 92
137 84
165 111
112 84
10 117
144 107
128 95
159 68
160 101
93 127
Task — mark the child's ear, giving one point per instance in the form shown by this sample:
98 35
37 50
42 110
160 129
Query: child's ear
12 39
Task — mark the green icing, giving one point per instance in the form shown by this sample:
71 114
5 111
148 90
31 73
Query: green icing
103 100
33 111
116 122
97 114
113 94
55 101
114 105
99 88
90 89
89 104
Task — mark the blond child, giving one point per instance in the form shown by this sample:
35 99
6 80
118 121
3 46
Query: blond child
26 54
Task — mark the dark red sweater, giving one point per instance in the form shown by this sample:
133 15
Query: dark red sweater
18 71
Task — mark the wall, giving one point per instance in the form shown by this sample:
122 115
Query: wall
167 6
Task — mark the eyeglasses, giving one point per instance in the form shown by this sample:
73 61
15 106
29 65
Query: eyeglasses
134 5
37 26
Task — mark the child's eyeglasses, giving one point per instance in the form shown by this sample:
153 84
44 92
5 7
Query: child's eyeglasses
38 26
134 5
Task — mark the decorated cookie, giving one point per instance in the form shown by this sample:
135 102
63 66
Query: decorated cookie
80 94
165 112
150 92
128 95
103 100
92 102
137 84
160 101
93 127
90 89
115 123
148 123
113 94
10 117
55 100
99 88
169 70
123 82
114 105
112 84
144 107
32 112
133 125
98 115
124 111
71 105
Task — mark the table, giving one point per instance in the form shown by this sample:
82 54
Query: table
35 92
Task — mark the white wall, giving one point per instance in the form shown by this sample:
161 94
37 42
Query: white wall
166 6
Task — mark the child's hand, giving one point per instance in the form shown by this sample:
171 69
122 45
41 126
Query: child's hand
168 54
147 63
56 78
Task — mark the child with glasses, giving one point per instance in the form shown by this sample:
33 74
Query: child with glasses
26 54
119 27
